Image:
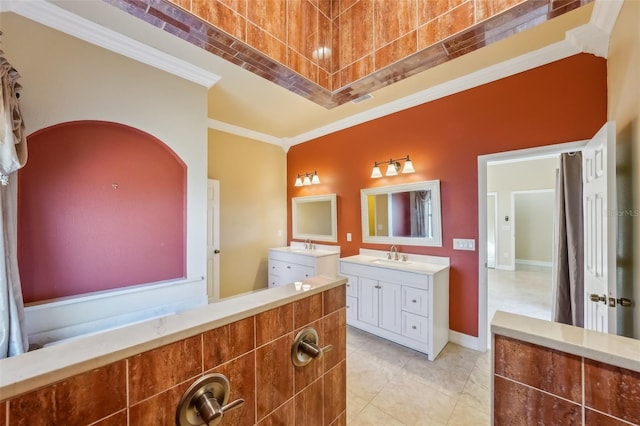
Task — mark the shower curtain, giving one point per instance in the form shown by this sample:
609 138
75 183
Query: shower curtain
13 155
568 274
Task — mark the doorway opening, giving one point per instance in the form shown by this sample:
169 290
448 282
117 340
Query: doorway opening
505 256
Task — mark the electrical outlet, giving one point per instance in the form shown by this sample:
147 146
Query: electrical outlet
464 244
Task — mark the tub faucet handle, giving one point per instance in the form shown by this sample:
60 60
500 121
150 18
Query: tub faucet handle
205 402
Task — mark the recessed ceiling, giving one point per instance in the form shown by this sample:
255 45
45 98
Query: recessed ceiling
425 35
244 103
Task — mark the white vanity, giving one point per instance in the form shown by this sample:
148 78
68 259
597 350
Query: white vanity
406 302
296 263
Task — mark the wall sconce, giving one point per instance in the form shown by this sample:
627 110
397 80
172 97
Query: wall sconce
393 167
307 179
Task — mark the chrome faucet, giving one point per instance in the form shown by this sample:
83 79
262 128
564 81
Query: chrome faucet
393 250
307 244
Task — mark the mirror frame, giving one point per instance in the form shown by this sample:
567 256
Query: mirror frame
429 185
295 201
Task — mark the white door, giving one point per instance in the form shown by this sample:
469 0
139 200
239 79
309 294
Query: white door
390 307
599 200
213 240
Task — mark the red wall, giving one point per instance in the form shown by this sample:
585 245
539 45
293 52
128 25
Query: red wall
77 233
560 102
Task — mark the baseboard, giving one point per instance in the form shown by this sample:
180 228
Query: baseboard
534 263
505 267
465 340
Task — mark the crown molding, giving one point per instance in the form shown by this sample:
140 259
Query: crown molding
244 132
55 17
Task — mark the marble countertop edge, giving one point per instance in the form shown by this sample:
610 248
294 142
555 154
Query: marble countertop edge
611 349
35 369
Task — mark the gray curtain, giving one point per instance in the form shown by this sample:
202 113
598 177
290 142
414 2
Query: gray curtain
13 155
568 285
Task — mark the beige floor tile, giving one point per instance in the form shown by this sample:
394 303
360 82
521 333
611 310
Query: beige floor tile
373 416
476 396
366 375
355 404
415 403
464 415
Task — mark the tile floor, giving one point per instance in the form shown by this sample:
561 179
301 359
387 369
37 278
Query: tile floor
525 291
388 384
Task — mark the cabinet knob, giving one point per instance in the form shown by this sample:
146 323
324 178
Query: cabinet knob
348 285
288 267
414 327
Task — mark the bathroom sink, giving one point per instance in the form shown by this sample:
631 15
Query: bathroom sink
390 262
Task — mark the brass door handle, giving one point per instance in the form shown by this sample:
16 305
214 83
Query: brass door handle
597 298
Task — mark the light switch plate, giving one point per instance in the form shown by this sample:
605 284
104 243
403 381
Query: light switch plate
348 236
464 244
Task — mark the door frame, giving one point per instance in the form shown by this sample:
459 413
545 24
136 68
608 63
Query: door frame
483 160
213 205
496 250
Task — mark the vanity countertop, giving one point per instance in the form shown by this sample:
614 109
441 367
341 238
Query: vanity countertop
316 252
44 366
419 264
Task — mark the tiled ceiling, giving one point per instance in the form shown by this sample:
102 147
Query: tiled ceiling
334 51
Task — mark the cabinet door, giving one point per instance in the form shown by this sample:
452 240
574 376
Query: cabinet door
390 302
368 300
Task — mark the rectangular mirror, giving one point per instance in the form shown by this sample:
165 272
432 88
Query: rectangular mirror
402 214
314 217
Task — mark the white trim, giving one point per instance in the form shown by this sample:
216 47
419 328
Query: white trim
466 341
496 247
47 13
244 132
534 263
483 160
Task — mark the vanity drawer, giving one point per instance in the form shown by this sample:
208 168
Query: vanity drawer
415 327
415 301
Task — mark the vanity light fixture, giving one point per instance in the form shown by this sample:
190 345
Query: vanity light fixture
307 179
393 167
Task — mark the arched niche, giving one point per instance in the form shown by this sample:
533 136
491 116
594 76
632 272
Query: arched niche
101 206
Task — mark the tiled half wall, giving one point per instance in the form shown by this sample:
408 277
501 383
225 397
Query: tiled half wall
537 385
254 353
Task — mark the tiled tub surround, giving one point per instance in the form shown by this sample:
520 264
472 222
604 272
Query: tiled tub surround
554 374
137 375
334 51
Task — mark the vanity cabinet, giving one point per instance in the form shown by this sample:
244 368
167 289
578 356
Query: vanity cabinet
409 308
379 304
287 265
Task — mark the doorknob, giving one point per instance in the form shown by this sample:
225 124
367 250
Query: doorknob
597 298
623 301
216 251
